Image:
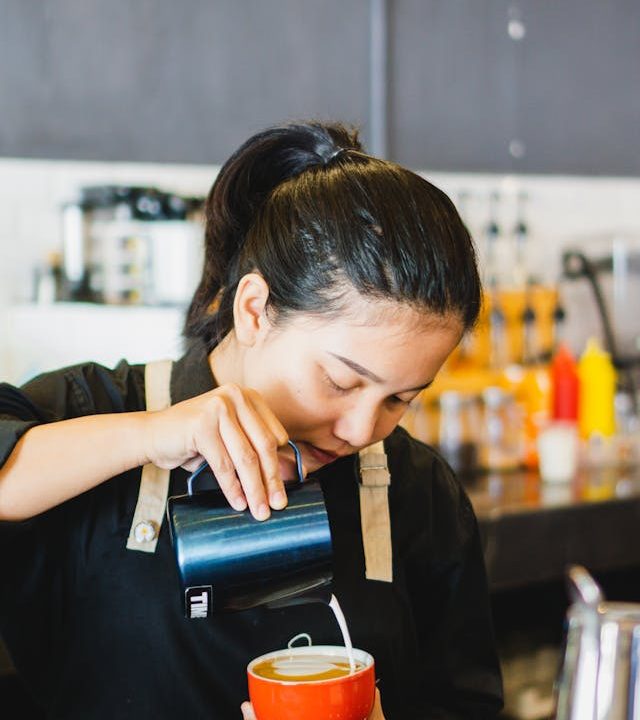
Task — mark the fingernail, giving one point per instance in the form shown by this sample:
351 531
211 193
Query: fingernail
263 512
239 503
278 500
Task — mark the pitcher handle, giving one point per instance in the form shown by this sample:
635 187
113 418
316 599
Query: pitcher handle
205 465
583 588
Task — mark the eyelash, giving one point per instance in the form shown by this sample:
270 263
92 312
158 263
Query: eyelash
334 386
394 399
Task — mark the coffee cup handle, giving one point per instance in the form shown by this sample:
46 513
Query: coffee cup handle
205 465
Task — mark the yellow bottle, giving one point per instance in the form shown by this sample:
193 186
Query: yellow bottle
597 391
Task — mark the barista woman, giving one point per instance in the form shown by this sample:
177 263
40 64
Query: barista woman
335 285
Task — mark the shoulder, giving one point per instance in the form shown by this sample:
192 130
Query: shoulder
427 493
82 389
419 467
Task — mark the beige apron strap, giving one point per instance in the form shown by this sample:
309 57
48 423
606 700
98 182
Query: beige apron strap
374 513
154 485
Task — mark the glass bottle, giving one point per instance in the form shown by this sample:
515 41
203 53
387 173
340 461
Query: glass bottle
502 439
457 438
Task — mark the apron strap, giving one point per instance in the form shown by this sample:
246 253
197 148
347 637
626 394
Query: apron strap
154 484
375 520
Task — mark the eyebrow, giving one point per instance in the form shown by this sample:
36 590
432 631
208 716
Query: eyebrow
372 376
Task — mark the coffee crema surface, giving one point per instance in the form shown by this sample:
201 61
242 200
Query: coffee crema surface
305 668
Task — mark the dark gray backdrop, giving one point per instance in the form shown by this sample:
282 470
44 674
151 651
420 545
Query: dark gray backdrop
167 81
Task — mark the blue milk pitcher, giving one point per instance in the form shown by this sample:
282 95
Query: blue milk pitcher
228 560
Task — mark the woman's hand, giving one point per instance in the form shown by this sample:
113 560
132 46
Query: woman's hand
376 713
233 429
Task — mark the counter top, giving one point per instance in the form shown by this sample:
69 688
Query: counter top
533 530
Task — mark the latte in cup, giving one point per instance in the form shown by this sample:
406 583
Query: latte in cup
314 682
305 668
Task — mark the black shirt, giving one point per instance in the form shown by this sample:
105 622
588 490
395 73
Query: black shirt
98 631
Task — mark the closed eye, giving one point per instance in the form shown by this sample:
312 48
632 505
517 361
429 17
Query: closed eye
334 386
395 400
392 400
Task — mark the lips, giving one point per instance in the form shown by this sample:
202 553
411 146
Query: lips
322 456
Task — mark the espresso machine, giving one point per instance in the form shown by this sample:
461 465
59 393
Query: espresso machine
131 245
606 287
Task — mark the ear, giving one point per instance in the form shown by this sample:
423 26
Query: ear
249 304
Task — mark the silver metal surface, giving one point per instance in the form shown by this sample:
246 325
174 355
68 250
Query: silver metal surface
74 243
599 677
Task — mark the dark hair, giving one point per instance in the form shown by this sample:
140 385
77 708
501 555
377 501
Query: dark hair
304 206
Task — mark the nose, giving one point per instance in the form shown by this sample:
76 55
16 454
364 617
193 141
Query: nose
360 425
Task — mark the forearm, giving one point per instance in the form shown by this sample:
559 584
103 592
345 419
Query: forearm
57 461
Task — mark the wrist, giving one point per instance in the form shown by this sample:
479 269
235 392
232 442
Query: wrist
137 432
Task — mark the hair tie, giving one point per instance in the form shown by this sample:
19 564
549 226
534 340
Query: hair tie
335 154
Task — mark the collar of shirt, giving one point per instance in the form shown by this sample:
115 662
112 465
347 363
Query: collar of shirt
191 375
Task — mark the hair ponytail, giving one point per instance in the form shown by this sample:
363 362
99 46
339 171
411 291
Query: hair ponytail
242 186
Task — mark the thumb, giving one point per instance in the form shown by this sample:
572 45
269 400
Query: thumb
376 713
247 711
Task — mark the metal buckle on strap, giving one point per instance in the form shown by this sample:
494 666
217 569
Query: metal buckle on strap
374 470
375 520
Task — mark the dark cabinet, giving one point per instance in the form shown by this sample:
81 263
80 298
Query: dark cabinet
160 81
187 82
561 91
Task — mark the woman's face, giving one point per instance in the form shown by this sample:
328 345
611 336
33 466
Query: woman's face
339 385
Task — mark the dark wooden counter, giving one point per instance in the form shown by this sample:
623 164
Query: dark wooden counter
532 530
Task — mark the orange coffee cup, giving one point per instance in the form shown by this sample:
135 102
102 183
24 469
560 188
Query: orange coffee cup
349 697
